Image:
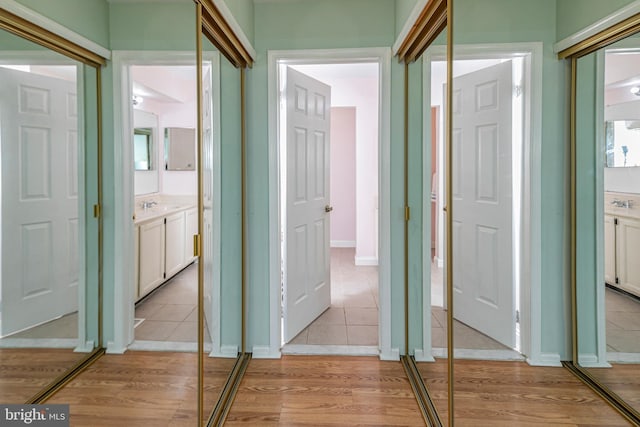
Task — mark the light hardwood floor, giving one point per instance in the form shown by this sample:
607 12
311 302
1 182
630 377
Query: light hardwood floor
317 391
159 389
142 389
25 371
515 394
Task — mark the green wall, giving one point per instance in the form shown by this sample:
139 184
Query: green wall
509 21
574 15
403 10
242 11
319 25
88 18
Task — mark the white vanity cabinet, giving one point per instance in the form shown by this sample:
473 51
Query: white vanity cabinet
627 254
163 245
174 243
151 256
622 241
191 229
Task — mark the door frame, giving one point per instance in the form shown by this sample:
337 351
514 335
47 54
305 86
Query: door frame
381 56
124 280
82 343
531 214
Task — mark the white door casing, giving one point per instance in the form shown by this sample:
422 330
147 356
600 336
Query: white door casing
308 288
40 222
482 196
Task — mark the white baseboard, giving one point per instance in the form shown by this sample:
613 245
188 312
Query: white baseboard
331 350
546 359
422 356
113 349
227 351
617 357
439 262
393 354
264 352
468 353
343 243
366 260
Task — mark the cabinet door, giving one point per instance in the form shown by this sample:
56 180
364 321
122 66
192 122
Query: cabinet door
136 262
609 249
151 268
174 243
628 242
191 228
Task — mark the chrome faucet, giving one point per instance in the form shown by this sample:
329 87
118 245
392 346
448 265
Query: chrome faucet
621 203
147 204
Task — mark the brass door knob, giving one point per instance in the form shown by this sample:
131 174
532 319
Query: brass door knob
328 208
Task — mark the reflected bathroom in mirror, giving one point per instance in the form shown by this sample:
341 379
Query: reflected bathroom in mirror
608 217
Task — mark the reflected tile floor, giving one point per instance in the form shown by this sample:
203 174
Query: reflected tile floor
623 322
170 312
352 318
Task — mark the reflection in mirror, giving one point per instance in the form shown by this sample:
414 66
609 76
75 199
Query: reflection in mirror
220 140
608 218
142 149
434 374
48 286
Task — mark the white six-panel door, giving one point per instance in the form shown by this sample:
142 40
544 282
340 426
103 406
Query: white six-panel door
39 142
308 289
482 200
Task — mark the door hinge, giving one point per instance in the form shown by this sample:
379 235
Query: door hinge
517 316
164 275
96 211
617 281
196 245
165 220
407 213
518 90
615 221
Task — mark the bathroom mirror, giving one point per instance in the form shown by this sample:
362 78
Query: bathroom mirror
49 285
607 221
142 149
179 149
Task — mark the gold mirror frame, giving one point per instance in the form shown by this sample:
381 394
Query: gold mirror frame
600 40
22 28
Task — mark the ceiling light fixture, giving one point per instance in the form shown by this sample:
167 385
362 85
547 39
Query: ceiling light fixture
635 90
137 100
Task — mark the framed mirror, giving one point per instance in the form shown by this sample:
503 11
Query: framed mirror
606 222
50 283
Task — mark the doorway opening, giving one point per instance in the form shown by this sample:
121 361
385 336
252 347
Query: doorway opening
349 316
157 118
331 130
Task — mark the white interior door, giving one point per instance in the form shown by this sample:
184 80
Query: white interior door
207 195
40 250
482 197
308 289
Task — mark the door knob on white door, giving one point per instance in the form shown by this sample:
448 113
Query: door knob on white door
328 208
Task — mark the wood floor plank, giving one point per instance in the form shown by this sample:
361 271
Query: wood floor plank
25 371
516 394
142 389
325 391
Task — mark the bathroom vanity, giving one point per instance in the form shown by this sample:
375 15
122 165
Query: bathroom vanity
622 241
163 233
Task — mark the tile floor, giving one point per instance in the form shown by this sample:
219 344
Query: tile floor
352 318
170 312
463 336
623 322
